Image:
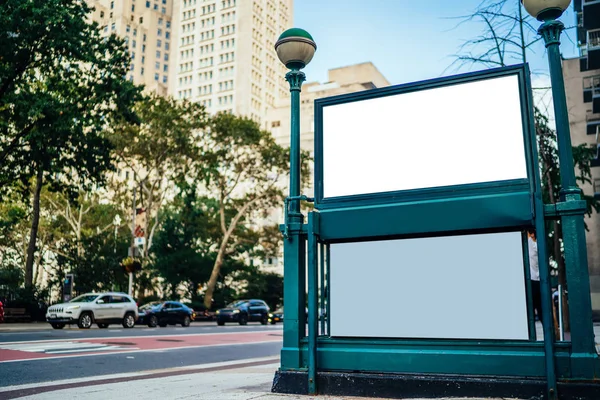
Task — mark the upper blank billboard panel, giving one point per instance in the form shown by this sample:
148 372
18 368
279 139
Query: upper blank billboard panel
460 134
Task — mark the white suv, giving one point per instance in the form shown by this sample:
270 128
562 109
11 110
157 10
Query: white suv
101 308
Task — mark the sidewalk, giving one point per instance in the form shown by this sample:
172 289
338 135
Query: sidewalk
222 381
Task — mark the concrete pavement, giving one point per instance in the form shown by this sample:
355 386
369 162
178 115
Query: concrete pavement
248 380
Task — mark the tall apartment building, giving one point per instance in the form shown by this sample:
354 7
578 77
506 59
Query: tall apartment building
582 84
147 28
225 57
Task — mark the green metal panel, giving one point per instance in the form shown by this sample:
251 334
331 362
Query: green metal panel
499 211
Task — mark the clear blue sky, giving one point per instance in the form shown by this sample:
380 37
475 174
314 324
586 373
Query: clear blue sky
407 40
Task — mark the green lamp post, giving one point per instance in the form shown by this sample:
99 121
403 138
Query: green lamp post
571 207
295 48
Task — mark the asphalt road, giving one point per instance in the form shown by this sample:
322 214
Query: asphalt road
75 353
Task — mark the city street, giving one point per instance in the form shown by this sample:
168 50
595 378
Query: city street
34 354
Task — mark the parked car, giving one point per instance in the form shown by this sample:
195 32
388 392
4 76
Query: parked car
244 311
163 313
276 316
100 308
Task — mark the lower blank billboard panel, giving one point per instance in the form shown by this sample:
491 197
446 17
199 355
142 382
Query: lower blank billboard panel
455 287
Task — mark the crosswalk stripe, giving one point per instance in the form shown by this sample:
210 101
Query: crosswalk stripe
62 347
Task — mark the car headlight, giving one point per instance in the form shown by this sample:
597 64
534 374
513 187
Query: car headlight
218 312
236 311
270 315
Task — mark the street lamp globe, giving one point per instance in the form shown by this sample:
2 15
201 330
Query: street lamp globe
295 48
545 9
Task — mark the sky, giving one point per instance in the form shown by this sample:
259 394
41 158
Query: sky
407 40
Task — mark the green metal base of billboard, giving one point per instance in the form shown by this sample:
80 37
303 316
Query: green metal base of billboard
402 386
469 358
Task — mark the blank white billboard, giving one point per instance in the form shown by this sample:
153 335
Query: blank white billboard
460 134
453 287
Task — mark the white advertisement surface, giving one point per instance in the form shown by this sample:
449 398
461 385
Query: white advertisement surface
460 134
453 287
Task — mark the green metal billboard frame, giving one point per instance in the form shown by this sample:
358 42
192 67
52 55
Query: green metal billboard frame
512 205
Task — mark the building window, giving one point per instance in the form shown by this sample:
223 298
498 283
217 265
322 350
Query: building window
158 43
157 65
112 5
157 54
166 45
147 4
164 79
159 32
165 68
167 35
113 26
156 8
156 77
275 124
163 10
101 14
134 32
160 21
128 28
166 57
142 71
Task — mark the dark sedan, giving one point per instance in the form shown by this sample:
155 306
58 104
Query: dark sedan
163 313
244 311
276 316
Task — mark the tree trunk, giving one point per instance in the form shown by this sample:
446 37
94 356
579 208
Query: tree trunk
214 276
34 228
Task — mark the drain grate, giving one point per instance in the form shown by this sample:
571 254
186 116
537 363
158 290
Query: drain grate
169 340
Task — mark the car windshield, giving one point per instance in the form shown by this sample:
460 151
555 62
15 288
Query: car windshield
85 298
237 303
150 305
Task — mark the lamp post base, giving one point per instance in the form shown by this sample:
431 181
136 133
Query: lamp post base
404 386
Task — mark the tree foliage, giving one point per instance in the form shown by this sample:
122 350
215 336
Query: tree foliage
60 81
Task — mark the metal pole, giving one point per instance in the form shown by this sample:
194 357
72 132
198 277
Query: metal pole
295 78
294 247
560 314
322 287
130 289
571 208
313 310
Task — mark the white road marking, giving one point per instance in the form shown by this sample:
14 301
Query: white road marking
63 347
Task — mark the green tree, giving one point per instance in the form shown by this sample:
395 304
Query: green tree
243 168
60 81
158 151
267 286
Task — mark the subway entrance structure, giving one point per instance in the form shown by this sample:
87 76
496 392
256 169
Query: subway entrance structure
414 262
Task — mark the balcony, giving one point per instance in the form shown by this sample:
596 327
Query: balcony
593 128
591 14
590 84
593 49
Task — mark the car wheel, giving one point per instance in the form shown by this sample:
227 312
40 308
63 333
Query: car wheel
85 321
243 320
102 326
58 326
220 323
264 319
186 321
129 321
153 321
